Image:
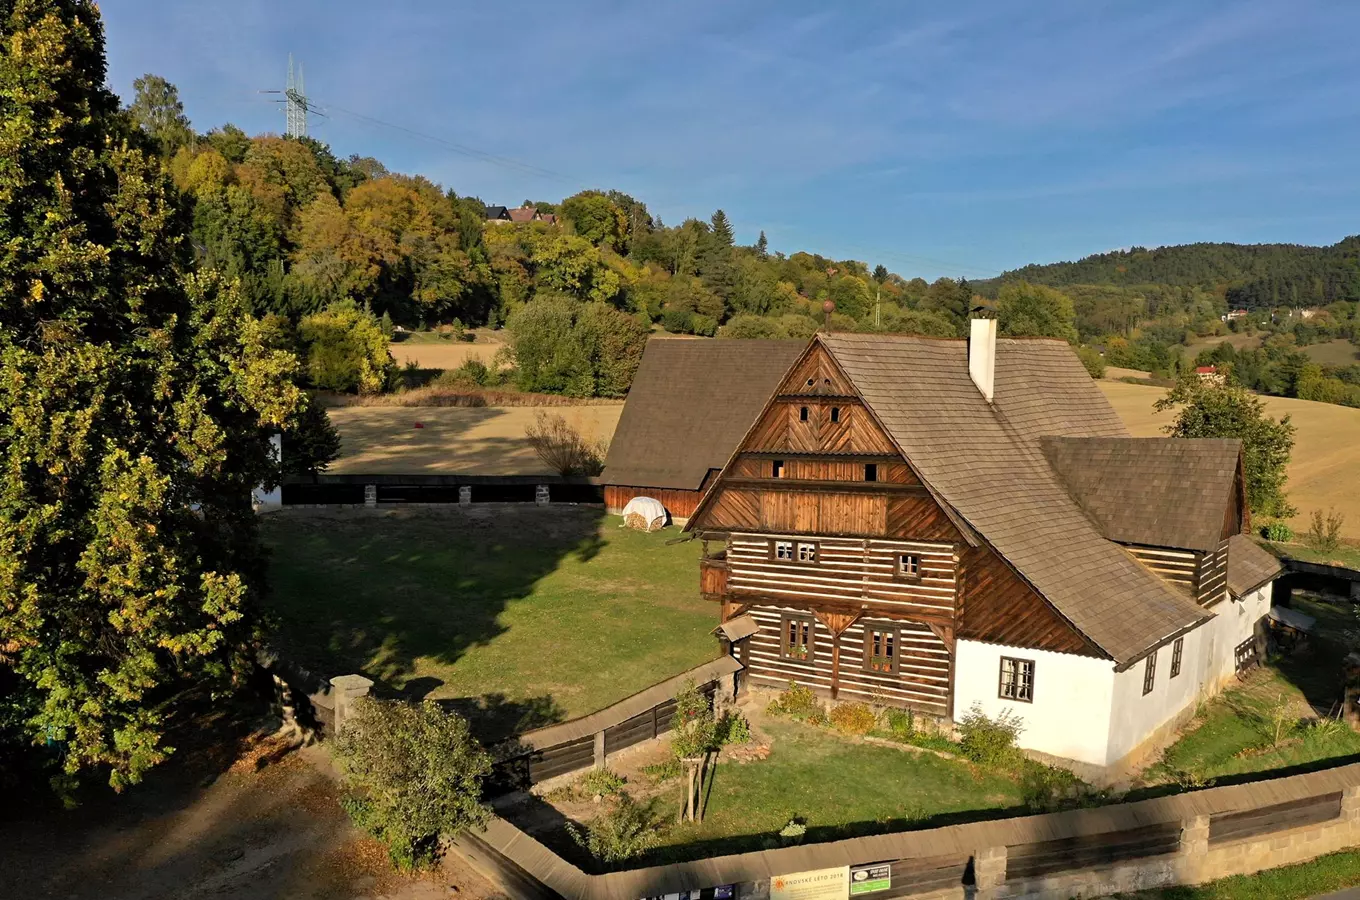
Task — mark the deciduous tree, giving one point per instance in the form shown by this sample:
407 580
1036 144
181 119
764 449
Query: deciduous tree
135 404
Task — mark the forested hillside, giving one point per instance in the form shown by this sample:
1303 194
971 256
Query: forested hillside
1249 276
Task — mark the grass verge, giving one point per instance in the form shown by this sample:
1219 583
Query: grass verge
1322 875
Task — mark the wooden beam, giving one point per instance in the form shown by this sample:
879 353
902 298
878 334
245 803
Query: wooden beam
836 487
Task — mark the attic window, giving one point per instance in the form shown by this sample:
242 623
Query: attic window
871 471
777 468
811 382
835 414
802 414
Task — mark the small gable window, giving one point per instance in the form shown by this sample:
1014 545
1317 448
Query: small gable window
781 549
797 642
811 382
1150 673
1176 650
777 468
1017 679
871 471
835 414
880 649
909 565
802 414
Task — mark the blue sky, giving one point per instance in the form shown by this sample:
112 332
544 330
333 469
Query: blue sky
956 138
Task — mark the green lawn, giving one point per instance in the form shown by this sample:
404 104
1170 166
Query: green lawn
1320 876
1347 555
1234 734
529 615
838 787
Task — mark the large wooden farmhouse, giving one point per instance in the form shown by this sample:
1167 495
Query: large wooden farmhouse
943 524
690 403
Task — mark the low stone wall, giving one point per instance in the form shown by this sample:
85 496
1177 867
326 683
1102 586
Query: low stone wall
312 705
1182 839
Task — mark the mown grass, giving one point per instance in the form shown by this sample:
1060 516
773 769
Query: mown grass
1322 875
528 615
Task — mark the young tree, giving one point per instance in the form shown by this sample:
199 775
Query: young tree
311 442
136 401
762 246
722 229
1208 410
1032 310
157 110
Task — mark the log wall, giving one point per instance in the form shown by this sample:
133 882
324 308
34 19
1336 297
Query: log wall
1211 580
921 682
680 504
849 572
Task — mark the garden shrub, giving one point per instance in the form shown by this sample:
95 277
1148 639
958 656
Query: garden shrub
1279 532
694 730
472 373
990 742
663 771
902 724
625 830
798 703
733 728
599 783
413 772
677 321
1324 530
1049 788
853 718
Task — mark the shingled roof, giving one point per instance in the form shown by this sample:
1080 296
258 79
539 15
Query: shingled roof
985 461
1249 565
690 404
1161 492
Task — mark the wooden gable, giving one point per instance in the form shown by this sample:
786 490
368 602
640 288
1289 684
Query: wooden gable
819 432
1000 607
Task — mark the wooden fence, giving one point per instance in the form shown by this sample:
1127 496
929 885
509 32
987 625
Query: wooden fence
358 490
1181 839
544 753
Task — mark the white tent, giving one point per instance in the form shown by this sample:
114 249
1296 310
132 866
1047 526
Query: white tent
645 514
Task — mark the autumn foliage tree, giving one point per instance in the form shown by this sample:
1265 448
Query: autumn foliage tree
136 400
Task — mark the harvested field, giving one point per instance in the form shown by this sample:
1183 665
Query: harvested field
489 440
1325 470
1333 353
441 354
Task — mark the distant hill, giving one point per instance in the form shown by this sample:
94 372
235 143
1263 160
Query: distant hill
1247 275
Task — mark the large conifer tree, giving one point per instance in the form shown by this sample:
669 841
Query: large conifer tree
134 402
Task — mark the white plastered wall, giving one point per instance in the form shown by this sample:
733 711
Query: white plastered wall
1070 714
1134 716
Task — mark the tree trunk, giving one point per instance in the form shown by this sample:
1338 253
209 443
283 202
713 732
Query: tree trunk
702 801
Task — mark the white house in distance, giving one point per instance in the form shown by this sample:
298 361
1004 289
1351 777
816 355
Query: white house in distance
943 525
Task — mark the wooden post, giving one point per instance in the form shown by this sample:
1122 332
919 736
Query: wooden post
835 665
599 750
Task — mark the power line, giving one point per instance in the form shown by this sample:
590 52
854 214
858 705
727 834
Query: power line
472 152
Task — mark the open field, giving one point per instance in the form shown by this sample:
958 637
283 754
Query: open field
1333 353
378 440
1325 469
441 354
1239 342
528 615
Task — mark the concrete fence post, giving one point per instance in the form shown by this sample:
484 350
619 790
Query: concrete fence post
370 495
541 494
989 872
464 495
599 750
347 689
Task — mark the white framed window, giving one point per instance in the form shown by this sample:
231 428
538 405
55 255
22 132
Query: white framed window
909 565
783 550
807 553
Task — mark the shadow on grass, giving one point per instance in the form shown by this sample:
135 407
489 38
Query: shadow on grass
380 593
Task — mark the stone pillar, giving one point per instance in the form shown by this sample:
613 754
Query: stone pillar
541 494
989 871
599 749
370 495
346 689
1350 805
1194 847
465 495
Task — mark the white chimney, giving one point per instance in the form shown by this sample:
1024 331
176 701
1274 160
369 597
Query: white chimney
982 355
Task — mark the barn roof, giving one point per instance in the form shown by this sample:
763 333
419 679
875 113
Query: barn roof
690 403
986 462
1162 492
1249 565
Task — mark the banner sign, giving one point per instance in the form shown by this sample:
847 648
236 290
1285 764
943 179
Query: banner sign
819 884
868 879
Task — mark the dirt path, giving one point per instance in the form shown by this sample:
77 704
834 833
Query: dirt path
269 826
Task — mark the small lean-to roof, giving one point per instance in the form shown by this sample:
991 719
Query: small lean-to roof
691 402
1249 565
739 628
985 461
1160 492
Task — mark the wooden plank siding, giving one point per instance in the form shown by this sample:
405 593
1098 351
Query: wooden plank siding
1176 567
680 504
999 607
1211 578
922 681
849 573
